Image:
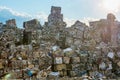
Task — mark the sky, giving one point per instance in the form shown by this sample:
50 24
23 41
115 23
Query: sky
83 10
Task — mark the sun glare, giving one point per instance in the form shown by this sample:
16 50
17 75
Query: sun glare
111 5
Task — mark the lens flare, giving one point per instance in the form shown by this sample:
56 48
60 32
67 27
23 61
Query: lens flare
111 5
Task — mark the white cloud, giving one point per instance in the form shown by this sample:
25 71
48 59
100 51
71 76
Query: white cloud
69 21
21 14
85 20
20 17
42 16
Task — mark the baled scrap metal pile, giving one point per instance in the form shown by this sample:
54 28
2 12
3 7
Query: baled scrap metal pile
102 63
55 52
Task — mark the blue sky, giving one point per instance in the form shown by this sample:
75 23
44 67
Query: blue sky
72 9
